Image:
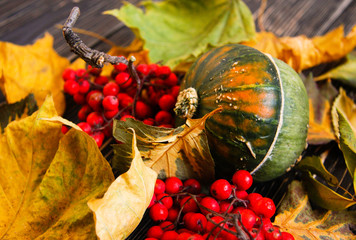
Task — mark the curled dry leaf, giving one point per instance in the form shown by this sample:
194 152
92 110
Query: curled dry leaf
47 178
121 209
33 69
297 217
182 152
302 52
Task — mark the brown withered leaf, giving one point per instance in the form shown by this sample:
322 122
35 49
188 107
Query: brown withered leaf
320 129
301 52
182 152
33 69
47 178
297 217
121 209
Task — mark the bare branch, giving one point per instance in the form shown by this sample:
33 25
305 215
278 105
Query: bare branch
93 57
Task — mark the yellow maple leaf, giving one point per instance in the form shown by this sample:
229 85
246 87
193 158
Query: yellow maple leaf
301 52
121 209
35 68
297 217
47 178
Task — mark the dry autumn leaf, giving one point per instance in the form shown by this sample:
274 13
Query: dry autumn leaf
301 52
47 178
33 69
121 209
182 152
320 129
297 217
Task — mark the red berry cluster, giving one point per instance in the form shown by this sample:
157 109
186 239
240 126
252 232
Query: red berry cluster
228 212
145 92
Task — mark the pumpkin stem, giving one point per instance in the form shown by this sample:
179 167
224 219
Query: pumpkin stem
187 103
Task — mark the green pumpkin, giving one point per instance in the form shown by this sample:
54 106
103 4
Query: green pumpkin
263 124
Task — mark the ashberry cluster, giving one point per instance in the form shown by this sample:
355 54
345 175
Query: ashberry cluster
145 92
228 212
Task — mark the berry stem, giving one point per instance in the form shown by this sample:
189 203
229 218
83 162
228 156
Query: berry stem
134 75
93 57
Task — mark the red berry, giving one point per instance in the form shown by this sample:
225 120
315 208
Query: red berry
287 236
253 198
95 100
81 73
123 118
265 207
167 226
153 69
64 129
165 199
98 137
242 179
188 205
142 110
169 235
163 71
163 117
149 121
143 69
221 189
83 112
71 87
196 222
209 203
248 218
68 74
125 100
192 186
184 236
94 71
173 185
158 212
85 127
167 102
95 119
273 234
79 98
160 186
173 214
124 80
217 220
171 80
155 232
225 207
101 80
109 114
120 67
175 91
111 88
84 86
256 234
241 195
153 201
110 103
166 126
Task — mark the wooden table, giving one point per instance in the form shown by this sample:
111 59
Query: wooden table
23 21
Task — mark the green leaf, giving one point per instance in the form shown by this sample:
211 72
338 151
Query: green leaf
296 216
345 73
325 197
314 165
182 152
178 30
10 112
344 120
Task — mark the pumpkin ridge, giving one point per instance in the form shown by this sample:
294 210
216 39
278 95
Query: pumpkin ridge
280 123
